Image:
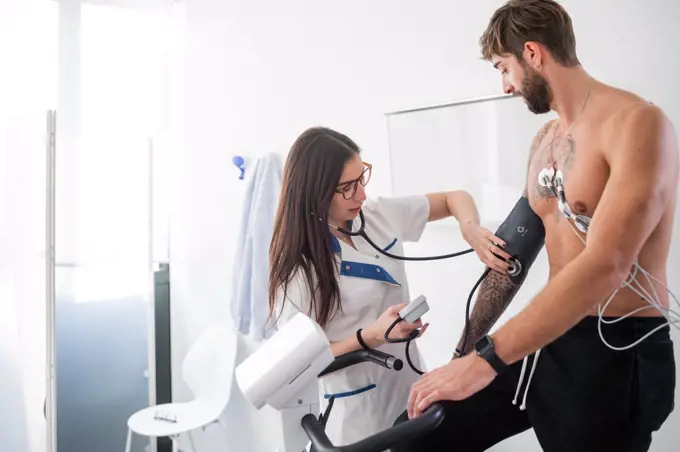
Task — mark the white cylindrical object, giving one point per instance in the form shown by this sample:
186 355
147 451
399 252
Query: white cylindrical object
285 364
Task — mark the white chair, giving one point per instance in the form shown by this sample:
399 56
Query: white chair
208 371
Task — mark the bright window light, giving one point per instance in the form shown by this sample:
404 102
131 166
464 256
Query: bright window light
123 59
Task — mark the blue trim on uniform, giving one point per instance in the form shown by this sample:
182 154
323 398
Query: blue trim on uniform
361 270
369 271
340 395
394 242
335 244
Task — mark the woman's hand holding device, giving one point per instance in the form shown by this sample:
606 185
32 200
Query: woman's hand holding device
374 334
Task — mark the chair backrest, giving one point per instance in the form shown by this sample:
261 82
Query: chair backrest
208 368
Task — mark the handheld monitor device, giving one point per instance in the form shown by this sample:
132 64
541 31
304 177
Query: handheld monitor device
415 309
410 313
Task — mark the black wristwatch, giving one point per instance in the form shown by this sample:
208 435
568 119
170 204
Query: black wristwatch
484 348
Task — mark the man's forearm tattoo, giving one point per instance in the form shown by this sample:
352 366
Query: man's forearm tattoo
495 294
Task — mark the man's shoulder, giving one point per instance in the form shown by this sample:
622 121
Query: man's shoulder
643 115
634 117
620 106
640 126
621 115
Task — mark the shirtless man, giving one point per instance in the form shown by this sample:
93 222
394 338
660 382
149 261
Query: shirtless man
617 158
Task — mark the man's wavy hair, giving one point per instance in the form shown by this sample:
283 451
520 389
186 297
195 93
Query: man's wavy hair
519 21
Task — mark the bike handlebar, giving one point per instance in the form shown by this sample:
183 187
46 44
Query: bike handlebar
381 441
363 355
406 431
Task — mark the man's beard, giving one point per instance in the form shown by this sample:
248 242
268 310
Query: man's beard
536 92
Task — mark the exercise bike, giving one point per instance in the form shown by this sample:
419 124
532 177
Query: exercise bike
283 374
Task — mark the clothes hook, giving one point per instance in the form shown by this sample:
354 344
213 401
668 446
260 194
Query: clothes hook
240 163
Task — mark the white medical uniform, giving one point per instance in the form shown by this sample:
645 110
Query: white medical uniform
368 397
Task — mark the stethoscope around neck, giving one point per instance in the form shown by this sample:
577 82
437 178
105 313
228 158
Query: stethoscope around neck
361 232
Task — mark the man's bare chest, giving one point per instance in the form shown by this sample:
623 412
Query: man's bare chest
575 162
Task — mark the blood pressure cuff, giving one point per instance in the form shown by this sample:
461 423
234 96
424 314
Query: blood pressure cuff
524 236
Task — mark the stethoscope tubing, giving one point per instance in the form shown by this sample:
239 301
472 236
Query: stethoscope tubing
362 233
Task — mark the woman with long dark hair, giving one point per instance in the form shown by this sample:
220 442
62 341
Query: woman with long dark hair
353 292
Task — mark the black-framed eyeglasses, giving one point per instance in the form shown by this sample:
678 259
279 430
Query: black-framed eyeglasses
349 188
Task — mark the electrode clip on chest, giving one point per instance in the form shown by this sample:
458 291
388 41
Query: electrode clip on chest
554 180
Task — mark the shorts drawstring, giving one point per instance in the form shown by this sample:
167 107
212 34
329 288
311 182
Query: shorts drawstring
521 378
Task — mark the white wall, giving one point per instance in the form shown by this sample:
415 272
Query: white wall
260 72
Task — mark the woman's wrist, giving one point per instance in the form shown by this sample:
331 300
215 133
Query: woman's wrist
466 228
371 338
468 223
462 207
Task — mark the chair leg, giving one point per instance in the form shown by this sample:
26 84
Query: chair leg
128 443
191 441
175 447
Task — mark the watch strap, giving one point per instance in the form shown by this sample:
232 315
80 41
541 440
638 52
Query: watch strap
488 353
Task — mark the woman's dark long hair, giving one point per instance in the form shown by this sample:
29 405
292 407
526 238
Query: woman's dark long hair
301 240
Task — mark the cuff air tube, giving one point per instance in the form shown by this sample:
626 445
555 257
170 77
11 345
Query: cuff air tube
524 237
